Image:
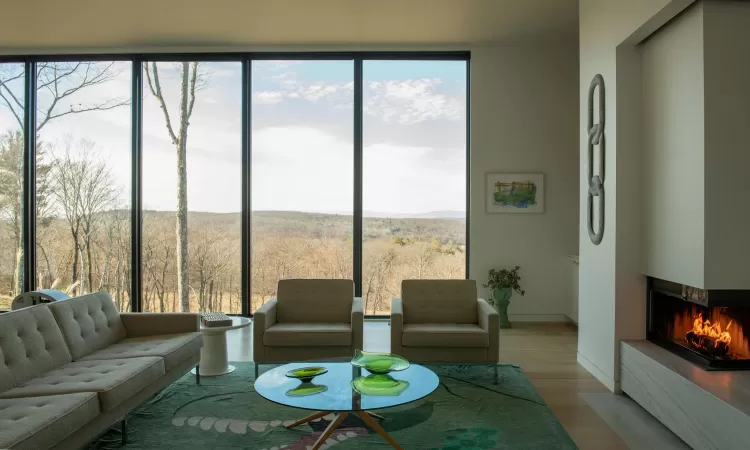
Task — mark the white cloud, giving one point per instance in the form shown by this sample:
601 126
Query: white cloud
412 101
399 101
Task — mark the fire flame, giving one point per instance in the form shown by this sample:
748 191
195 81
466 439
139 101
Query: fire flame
706 328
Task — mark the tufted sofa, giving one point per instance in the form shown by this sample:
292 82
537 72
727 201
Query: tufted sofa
443 321
69 370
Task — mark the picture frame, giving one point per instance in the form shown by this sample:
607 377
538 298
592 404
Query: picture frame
514 193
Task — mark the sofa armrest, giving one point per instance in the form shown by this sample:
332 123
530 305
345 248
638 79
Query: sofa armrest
397 325
152 324
263 319
489 320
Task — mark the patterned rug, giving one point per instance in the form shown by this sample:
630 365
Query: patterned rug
467 411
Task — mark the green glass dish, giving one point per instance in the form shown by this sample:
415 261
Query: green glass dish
306 388
306 374
379 385
379 363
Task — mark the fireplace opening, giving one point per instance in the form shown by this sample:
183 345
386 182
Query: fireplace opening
715 337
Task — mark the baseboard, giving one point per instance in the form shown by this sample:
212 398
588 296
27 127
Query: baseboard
538 318
605 379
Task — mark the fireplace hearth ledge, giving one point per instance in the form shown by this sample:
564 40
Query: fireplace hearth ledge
707 410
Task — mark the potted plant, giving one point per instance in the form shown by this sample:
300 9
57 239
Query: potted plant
503 283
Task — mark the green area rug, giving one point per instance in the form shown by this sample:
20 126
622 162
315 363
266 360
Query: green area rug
467 411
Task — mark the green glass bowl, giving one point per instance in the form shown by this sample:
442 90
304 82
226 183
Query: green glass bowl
379 363
306 374
306 388
379 385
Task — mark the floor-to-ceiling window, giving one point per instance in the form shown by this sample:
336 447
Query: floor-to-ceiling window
192 177
302 172
11 181
414 176
179 184
83 177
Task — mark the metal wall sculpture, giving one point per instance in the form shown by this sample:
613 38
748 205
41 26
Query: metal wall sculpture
596 140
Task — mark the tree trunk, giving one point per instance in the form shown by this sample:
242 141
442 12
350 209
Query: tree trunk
211 295
82 287
18 226
90 261
75 257
182 206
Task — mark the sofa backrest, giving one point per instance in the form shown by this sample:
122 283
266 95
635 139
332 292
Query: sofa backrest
439 301
314 301
88 323
31 344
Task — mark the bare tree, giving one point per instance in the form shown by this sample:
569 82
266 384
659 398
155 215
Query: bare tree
58 85
83 188
191 80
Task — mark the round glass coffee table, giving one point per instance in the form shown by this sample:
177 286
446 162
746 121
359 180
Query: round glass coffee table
333 392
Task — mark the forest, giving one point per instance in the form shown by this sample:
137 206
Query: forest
283 245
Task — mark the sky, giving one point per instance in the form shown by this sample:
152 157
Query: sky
302 136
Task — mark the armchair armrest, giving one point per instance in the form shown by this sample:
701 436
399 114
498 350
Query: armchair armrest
263 319
397 325
358 324
152 324
489 320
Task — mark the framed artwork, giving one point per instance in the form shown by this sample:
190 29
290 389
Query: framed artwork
514 193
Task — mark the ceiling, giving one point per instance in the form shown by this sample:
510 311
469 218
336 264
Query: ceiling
36 26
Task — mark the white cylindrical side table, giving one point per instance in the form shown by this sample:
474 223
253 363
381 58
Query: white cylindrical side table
214 359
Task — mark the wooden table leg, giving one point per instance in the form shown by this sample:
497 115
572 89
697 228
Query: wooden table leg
310 418
374 425
375 416
331 428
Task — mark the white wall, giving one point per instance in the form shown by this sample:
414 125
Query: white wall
523 119
727 71
611 285
674 150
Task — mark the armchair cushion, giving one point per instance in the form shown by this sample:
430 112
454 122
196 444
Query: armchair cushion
444 335
308 335
314 301
439 301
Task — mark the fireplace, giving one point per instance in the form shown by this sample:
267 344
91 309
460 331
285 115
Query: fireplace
709 327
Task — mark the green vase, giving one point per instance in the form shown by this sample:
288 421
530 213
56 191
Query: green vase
502 300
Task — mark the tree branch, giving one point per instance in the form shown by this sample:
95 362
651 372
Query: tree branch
155 88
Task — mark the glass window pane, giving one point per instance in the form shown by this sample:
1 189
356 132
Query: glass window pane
302 172
192 178
11 181
83 178
414 176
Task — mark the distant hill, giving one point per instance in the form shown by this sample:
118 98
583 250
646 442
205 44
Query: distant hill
448 226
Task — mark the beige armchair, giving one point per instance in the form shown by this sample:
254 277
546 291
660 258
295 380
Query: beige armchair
308 320
443 321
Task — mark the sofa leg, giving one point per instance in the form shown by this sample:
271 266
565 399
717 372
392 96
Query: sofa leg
124 431
198 374
496 373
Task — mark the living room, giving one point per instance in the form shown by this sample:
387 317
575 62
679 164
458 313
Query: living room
425 182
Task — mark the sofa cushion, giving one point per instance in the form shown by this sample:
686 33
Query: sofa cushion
41 422
115 380
89 322
439 301
315 301
444 335
174 348
30 344
308 335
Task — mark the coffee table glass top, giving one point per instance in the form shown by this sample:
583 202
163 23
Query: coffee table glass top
333 390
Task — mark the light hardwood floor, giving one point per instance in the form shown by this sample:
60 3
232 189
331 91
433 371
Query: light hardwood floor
547 354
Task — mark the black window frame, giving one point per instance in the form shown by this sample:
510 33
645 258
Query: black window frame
246 59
